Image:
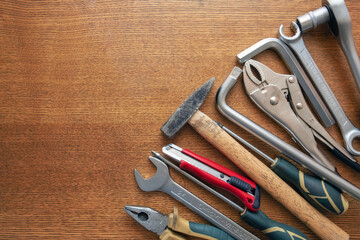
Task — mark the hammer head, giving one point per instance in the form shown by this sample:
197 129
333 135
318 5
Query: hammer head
186 110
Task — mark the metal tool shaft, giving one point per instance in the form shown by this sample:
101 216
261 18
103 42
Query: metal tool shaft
246 143
205 210
337 15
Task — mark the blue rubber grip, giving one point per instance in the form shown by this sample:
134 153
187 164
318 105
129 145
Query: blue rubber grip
274 230
317 191
209 231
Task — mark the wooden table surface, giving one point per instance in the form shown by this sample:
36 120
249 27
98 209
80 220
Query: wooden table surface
86 85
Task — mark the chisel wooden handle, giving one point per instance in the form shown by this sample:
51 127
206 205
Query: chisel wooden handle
267 179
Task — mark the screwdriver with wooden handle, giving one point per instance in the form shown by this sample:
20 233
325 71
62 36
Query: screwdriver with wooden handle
317 191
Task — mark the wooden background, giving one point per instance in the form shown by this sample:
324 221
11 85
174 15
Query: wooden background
86 85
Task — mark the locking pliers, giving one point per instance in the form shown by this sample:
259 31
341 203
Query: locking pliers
280 97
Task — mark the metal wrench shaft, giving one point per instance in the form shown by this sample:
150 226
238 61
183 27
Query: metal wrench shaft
296 43
163 182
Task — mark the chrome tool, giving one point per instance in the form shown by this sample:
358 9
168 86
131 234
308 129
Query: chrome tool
295 68
335 13
280 97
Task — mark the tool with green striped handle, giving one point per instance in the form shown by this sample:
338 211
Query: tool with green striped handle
274 230
316 191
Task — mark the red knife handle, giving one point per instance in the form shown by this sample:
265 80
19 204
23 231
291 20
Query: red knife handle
251 202
218 167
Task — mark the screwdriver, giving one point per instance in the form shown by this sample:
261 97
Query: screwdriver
316 191
274 230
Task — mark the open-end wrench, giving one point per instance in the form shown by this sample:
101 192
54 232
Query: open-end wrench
294 66
296 43
162 181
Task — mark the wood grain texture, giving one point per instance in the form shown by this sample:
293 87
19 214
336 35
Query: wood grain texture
86 85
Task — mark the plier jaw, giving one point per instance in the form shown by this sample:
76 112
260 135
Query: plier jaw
258 77
149 218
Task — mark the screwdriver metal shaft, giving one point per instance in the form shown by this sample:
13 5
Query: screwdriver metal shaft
246 143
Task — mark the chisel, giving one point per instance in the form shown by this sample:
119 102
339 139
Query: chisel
317 191
274 230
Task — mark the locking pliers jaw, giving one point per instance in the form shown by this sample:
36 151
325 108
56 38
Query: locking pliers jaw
149 218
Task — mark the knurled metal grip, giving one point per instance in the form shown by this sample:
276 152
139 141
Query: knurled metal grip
313 19
336 14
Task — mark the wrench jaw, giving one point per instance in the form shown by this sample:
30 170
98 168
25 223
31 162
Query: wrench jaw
149 218
349 140
157 181
295 28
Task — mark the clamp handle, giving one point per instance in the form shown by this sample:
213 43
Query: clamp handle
318 192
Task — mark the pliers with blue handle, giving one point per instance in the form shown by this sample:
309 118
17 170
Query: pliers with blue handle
168 226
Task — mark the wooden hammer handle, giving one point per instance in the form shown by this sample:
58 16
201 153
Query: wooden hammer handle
266 179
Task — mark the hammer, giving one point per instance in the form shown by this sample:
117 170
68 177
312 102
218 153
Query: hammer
188 113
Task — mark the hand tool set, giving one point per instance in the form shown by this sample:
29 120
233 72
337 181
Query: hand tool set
281 97
274 230
284 148
162 181
317 191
